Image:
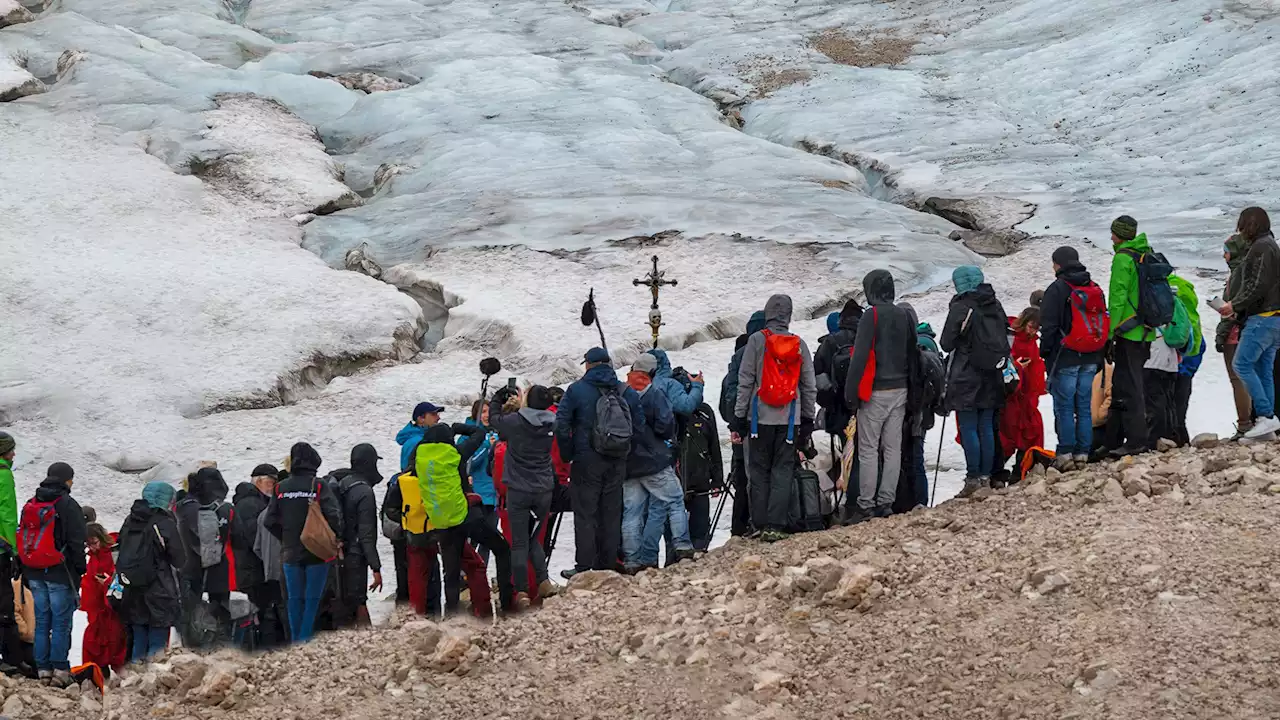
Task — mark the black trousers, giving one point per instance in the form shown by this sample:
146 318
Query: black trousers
401 559
528 513
480 534
1158 386
699 507
741 523
596 484
10 642
1181 402
273 619
1129 391
772 463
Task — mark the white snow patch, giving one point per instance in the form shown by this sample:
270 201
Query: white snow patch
15 81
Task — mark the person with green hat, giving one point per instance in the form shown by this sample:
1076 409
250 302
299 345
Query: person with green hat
1227 334
1131 341
10 643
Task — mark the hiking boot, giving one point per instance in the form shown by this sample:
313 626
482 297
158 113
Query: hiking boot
1064 463
568 574
1125 451
689 554
754 534
547 589
773 536
1263 426
1241 429
998 483
1081 459
521 602
62 679
882 511
860 515
971 486
45 677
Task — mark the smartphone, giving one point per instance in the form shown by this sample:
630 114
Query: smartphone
1215 302
511 384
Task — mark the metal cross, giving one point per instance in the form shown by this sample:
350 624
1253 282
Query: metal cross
655 280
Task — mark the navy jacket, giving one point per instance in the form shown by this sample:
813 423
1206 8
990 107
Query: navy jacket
650 451
576 414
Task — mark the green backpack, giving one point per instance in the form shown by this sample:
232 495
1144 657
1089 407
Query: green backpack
1177 334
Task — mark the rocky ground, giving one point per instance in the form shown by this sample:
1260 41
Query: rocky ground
1140 589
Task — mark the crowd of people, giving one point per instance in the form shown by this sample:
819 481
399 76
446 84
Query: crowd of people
637 460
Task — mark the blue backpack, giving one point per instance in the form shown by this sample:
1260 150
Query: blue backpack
1156 298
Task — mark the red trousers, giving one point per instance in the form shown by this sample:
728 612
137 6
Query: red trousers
423 562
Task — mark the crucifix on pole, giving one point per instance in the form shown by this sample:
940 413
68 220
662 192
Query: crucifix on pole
655 280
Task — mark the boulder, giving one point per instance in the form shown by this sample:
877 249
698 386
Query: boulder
451 651
599 581
1112 490
16 82
1069 487
1135 482
1165 445
1205 441
1043 581
11 13
853 585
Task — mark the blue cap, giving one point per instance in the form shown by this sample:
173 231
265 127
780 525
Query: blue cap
596 355
425 408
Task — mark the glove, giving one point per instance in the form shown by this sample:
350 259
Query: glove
804 435
503 395
740 425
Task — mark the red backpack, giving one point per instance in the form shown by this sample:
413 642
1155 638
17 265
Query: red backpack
1090 321
780 369
36 545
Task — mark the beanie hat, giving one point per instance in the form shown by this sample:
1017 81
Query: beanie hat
6 443
61 472
646 363
538 397
756 323
1124 227
967 278
833 322
159 495
1066 256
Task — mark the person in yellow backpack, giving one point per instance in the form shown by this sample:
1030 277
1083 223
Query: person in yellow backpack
453 512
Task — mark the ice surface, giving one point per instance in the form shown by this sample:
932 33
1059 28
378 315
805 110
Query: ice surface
15 81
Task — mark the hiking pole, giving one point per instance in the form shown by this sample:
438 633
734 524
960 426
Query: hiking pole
725 494
555 535
942 434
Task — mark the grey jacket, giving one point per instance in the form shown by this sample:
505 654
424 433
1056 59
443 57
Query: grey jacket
267 547
777 314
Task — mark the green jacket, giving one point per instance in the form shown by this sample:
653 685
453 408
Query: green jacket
1186 294
8 506
1124 290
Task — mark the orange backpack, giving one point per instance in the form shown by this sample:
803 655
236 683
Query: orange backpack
780 369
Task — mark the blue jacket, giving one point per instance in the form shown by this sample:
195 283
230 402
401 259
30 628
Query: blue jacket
651 451
576 414
478 466
408 438
682 402
1191 363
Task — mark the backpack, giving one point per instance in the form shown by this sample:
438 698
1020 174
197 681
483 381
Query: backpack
867 383
37 547
611 436
139 557
807 501
1155 296
988 341
1090 321
779 369
696 459
1177 334
208 530
413 512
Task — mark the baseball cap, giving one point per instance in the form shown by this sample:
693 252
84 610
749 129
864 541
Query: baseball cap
425 408
265 470
596 355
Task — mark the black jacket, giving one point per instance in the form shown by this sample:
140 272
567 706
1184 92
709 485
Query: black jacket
970 387
287 513
206 489
1055 321
68 535
830 391
158 605
1259 279
528 434
360 525
890 331
249 503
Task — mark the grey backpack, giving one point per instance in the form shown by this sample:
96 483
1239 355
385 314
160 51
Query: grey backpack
611 437
208 530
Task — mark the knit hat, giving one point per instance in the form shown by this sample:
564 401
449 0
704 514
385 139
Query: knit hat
646 363
1066 256
538 397
1124 227
967 278
61 472
833 322
159 495
6 443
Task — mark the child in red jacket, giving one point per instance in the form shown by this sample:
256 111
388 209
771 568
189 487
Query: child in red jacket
104 638
1021 425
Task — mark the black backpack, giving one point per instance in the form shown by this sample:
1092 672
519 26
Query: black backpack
611 436
1155 295
806 503
697 461
988 335
138 563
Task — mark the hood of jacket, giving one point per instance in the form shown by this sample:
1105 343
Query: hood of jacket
303 458
926 337
364 460
1075 275
601 376
207 486
777 313
410 434
141 511
984 296
756 323
440 433
1139 244
51 489
1238 247
878 286
244 490
537 418
664 363
850 315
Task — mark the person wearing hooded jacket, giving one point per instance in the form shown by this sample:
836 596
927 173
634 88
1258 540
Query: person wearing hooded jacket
10 641
973 391
305 575
253 577
922 408
152 610
360 529
1257 306
206 493
54 588
1070 373
1131 341
1227 334
831 394
528 429
740 525
777 432
889 333
684 402
596 480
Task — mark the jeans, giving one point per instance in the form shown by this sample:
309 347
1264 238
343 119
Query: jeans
527 513
649 503
1255 362
880 426
922 474
978 437
55 606
305 584
148 641
1072 390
